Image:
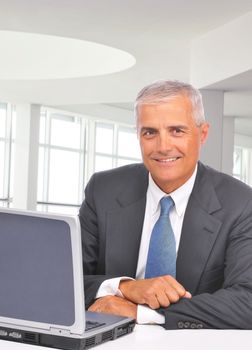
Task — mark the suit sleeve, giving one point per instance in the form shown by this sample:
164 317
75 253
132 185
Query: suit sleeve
93 274
229 307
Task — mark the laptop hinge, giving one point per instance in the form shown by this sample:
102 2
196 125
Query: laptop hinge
60 331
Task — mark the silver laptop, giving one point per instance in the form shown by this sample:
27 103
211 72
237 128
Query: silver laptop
41 284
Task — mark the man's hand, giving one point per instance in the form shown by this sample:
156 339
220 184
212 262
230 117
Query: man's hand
111 304
155 292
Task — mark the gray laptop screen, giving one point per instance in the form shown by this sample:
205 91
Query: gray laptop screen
36 269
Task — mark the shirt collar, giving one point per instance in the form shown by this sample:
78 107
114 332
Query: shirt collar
180 196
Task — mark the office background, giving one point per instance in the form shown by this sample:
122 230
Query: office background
64 115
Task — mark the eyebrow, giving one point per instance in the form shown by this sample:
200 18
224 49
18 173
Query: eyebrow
147 128
170 127
183 127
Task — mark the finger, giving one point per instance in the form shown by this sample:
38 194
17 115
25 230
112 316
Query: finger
163 299
172 294
153 303
93 307
172 282
187 295
178 287
159 293
98 305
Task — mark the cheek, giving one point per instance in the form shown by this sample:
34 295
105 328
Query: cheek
144 153
146 147
193 148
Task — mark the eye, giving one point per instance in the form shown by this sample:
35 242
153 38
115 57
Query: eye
177 131
148 133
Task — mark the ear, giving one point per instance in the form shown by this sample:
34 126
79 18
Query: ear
204 132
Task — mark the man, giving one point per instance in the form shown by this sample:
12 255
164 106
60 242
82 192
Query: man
210 219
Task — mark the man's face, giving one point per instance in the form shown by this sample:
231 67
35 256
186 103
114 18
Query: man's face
170 141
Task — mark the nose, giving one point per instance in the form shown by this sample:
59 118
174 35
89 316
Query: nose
164 143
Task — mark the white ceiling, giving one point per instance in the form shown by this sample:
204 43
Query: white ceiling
162 35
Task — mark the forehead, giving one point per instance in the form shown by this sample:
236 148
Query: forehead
177 109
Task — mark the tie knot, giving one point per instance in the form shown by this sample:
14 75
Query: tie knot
166 204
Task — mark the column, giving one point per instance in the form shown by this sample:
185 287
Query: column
211 153
26 156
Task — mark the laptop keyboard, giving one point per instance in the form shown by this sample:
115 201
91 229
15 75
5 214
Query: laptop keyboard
93 324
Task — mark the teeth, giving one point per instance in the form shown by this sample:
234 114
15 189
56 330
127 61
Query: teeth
167 160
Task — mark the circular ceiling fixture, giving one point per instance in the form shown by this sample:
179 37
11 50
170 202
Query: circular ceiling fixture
30 56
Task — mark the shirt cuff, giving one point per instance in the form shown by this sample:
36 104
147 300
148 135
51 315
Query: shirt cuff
111 287
146 315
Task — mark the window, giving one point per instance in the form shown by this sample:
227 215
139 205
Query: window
61 161
242 168
237 163
104 146
7 134
115 146
71 149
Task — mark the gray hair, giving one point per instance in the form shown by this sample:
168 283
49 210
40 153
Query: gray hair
163 91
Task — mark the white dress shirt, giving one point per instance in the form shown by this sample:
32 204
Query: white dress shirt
152 212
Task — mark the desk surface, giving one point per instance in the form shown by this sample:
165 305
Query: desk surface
155 337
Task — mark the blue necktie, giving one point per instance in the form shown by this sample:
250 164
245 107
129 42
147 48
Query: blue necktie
161 258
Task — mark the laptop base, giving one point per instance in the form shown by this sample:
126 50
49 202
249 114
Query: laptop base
64 342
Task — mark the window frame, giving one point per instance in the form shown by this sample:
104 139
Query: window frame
49 114
87 151
8 142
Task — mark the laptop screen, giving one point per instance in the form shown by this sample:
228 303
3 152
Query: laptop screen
36 269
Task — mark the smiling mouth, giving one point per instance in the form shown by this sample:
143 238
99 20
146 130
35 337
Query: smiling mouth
166 160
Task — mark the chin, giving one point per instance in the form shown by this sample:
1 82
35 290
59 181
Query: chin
166 174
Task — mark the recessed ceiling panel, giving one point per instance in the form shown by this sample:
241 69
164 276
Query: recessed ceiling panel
28 56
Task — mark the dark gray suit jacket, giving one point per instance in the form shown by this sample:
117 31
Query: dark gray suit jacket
214 259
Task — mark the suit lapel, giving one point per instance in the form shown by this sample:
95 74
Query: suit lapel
124 228
199 232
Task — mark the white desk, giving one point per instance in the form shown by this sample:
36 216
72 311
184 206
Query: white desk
156 338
